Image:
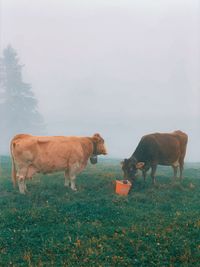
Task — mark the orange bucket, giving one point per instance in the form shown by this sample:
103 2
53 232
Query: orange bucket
122 187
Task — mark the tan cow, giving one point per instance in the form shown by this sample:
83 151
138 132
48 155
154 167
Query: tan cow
45 154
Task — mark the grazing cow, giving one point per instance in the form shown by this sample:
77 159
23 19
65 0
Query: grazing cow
45 154
157 149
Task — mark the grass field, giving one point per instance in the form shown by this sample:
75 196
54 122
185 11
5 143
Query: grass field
53 226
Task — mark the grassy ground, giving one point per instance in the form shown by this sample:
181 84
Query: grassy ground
53 226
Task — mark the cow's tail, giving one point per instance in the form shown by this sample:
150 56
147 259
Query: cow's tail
14 171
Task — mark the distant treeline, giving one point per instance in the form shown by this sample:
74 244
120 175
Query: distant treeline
18 105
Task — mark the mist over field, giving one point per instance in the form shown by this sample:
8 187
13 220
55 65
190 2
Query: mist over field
120 68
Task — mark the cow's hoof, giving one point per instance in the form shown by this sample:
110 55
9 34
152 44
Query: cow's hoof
74 189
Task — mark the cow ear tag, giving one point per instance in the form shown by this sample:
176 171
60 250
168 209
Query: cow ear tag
139 165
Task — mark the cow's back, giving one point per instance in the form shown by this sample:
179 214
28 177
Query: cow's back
163 148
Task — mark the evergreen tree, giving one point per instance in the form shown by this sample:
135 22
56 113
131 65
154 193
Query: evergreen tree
18 105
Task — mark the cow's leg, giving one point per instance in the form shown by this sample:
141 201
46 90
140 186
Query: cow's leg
31 171
21 184
72 179
67 179
25 188
175 168
153 171
73 171
181 169
21 176
144 172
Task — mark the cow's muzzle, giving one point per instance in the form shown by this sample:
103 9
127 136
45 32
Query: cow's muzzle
129 177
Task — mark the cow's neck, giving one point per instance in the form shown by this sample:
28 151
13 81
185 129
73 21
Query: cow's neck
139 153
134 158
137 156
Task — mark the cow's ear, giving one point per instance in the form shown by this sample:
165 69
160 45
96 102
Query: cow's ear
96 137
139 165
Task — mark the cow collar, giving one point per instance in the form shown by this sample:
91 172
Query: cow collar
93 157
94 149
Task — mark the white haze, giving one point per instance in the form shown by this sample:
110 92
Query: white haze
120 68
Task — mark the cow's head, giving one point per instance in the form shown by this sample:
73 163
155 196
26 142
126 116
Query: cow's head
98 147
130 168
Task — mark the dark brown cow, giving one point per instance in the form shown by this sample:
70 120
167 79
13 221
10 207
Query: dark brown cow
46 154
157 149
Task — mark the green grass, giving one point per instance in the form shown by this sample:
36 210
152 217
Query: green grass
53 226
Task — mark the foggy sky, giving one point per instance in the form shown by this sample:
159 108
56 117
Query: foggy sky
120 68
